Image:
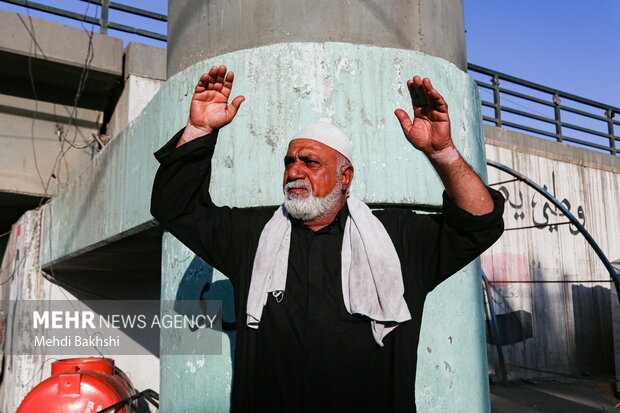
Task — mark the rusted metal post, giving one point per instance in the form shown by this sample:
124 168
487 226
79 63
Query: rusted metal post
558 119
498 109
609 114
103 20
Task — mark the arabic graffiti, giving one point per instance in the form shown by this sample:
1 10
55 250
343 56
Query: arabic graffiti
542 212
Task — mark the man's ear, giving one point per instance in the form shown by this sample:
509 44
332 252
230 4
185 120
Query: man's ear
347 176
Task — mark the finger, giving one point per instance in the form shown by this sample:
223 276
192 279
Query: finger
228 82
234 106
420 97
405 120
211 78
421 92
207 77
200 86
219 81
413 92
204 78
435 97
202 82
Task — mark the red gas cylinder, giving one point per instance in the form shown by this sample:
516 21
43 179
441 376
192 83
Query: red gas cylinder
84 385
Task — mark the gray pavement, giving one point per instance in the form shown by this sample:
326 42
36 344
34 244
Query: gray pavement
553 397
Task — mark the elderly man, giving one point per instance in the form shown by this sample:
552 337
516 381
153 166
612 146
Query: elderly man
328 294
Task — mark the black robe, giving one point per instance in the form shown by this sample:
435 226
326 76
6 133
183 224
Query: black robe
309 354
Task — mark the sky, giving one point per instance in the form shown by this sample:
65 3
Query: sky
570 45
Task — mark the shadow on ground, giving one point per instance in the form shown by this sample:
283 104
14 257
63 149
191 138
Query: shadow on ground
553 397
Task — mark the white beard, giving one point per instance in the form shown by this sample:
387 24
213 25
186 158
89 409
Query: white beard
309 208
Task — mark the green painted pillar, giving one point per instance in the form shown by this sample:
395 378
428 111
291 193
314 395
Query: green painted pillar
191 383
295 67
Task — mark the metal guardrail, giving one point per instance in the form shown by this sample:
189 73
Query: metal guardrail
527 119
103 20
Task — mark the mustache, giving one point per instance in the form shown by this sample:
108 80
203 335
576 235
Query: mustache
298 184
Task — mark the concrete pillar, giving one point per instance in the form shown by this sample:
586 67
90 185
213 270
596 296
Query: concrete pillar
199 29
349 60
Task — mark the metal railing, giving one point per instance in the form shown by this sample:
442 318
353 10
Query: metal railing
598 116
103 20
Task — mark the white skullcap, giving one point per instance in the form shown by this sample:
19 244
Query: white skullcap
326 133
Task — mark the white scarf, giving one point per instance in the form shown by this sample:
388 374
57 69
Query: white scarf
372 282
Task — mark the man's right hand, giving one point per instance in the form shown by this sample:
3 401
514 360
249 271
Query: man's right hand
209 109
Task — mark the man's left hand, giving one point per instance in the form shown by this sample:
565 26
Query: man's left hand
430 129
430 133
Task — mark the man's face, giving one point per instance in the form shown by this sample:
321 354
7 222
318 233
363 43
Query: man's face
313 163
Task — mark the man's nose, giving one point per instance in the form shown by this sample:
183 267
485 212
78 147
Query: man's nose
295 171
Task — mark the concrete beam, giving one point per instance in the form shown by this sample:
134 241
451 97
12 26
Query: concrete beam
52 62
133 262
145 72
524 143
32 151
59 43
145 61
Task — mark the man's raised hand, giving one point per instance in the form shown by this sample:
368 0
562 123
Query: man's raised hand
430 133
209 109
430 129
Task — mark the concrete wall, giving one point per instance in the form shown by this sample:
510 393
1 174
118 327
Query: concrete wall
615 315
198 30
21 279
563 321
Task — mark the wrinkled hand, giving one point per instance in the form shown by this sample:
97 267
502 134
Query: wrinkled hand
209 109
430 129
